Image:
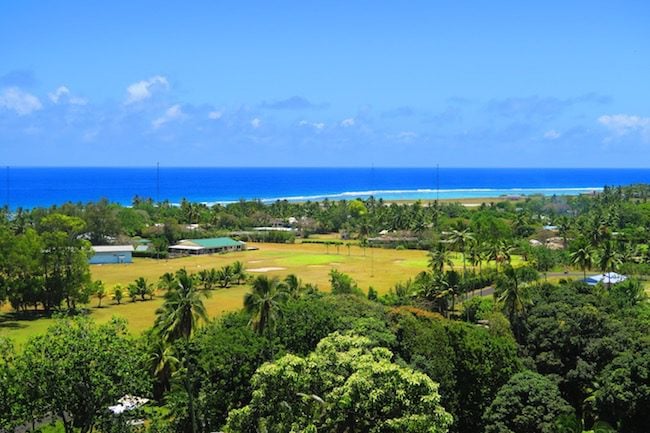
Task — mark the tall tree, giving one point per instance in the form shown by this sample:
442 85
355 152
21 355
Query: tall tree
65 262
608 258
513 295
182 309
345 385
439 257
264 301
77 369
583 257
529 403
294 286
460 239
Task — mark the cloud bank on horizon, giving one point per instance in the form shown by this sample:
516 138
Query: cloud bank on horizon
293 87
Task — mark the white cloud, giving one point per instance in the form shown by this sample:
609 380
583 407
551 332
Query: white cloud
348 122
316 125
552 134
58 93
142 90
173 113
624 124
215 115
61 93
23 103
256 122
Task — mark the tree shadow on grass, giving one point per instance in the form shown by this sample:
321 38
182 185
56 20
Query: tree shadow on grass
16 320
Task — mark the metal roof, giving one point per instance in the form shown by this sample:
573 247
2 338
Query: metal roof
210 243
112 248
186 247
608 278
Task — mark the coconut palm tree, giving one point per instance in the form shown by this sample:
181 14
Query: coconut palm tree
583 257
434 289
564 226
460 238
439 258
513 298
142 287
453 283
293 286
239 272
475 254
208 277
166 281
162 363
499 251
608 258
263 302
225 276
182 309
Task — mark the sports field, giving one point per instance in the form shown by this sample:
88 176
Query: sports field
379 268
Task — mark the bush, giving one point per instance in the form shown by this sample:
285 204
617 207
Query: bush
477 308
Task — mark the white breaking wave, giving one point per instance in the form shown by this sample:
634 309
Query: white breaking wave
424 193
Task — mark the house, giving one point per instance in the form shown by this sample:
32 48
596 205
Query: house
108 254
128 403
207 246
607 279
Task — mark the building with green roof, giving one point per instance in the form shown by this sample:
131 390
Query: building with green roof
207 246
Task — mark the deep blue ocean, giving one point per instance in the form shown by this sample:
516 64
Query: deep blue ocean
30 187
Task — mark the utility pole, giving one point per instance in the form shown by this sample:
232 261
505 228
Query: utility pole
158 182
437 182
8 196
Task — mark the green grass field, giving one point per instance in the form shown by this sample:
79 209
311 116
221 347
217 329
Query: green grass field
379 268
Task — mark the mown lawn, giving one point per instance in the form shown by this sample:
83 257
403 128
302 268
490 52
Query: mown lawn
379 268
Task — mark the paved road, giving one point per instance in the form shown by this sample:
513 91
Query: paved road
487 291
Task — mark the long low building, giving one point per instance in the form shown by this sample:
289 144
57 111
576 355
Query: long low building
110 254
207 246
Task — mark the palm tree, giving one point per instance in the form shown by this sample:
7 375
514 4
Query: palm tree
564 226
499 251
438 258
263 302
293 286
434 289
476 254
583 257
208 277
453 283
182 309
239 271
513 298
609 258
166 281
162 363
225 276
142 287
460 238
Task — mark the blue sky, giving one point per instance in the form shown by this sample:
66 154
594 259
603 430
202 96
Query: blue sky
331 83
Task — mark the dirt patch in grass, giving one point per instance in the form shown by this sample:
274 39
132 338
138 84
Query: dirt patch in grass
267 269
